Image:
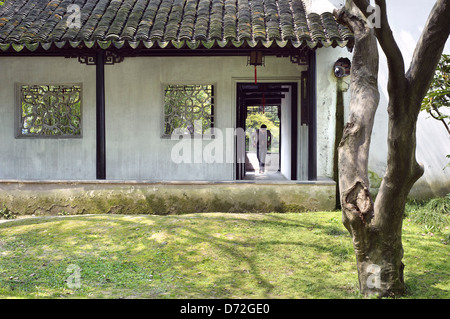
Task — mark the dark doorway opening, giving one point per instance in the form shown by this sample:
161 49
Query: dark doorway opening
275 106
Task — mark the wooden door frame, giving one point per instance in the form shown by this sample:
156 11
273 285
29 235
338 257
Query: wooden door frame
240 123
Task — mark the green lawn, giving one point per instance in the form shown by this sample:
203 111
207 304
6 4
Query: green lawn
213 255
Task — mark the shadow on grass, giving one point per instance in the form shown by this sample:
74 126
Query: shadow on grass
195 256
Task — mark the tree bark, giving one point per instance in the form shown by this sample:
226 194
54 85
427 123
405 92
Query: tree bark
376 228
353 150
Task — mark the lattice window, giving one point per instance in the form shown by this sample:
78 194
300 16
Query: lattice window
49 111
188 109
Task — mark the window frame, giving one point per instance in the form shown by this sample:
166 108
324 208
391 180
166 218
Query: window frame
213 110
18 111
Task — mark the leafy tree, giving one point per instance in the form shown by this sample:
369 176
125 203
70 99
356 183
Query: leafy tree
376 227
437 99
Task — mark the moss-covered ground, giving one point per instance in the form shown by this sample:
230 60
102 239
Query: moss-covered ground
211 255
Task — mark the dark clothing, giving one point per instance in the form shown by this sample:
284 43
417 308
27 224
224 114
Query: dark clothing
263 140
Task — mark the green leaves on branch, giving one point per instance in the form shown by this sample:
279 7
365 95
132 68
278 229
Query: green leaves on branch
437 101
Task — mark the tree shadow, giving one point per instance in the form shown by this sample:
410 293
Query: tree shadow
237 250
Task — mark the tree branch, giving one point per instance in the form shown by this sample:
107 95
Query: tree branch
396 64
429 50
438 117
354 146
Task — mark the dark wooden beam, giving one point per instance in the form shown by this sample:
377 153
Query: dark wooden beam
267 96
257 102
272 90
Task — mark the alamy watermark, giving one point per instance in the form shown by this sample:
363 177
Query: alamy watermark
74 19
74 279
374 20
220 147
374 280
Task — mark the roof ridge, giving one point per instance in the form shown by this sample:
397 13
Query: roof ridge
200 28
68 31
187 25
16 20
174 19
216 19
162 14
120 19
151 14
134 17
107 18
273 24
94 19
230 27
242 21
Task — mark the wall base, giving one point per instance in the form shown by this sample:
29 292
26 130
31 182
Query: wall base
162 198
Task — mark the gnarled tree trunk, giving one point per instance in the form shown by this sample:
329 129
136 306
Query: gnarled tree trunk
376 228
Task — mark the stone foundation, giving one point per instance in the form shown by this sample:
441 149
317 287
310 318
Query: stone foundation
162 198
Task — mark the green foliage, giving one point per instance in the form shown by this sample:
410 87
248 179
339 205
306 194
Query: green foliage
255 120
51 110
438 96
432 215
188 107
437 101
375 179
6 213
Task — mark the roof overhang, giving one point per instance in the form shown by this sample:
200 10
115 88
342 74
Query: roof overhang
166 27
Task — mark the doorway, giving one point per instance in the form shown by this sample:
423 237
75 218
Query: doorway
267 113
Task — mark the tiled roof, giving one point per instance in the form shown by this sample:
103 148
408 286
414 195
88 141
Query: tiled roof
166 23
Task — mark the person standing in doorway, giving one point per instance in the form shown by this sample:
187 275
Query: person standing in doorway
262 139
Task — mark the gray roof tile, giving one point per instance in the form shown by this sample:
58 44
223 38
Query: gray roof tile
156 23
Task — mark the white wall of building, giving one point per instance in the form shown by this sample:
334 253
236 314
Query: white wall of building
27 158
135 149
326 106
407 19
134 105
321 6
286 132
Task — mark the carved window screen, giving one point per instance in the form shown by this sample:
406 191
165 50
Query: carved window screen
188 109
49 111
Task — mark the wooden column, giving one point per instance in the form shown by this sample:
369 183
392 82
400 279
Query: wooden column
100 115
294 132
312 111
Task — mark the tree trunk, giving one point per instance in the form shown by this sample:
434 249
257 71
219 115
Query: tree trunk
376 228
377 243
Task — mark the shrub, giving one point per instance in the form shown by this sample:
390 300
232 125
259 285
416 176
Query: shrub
6 213
433 215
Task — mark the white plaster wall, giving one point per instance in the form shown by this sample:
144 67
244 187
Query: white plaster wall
326 106
286 131
134 114
27 158
135 105
407 19
321 6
